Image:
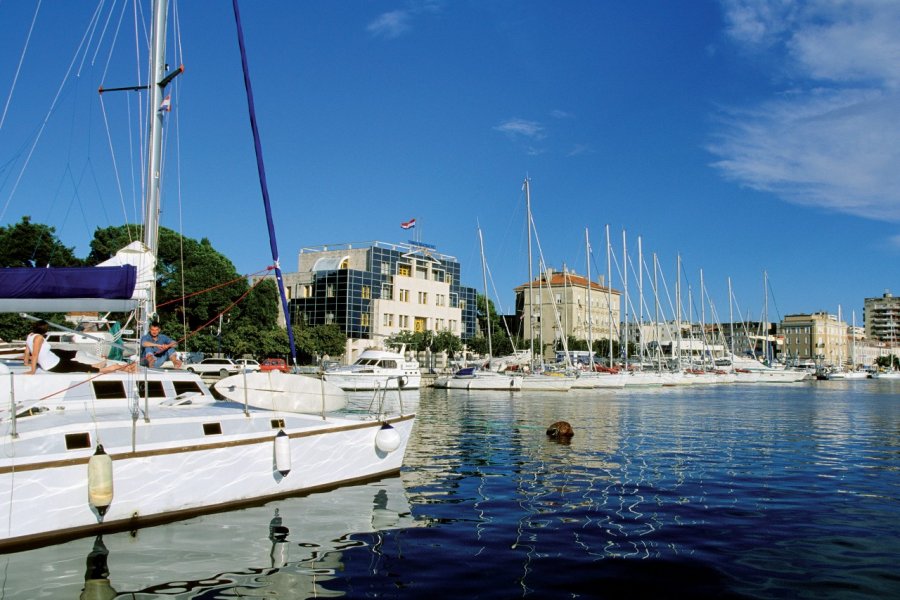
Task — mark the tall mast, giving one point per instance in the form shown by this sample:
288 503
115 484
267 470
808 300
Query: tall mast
625 292
731 321
640 329
656 311
487 305
530 272
590 319
678 309
155 86
609 295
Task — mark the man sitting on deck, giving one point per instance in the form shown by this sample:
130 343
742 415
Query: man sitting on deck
157 348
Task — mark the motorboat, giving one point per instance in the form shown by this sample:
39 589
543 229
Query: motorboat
377 369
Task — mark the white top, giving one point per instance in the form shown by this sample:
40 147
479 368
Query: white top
46 359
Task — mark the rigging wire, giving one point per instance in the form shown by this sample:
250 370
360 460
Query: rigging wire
12 87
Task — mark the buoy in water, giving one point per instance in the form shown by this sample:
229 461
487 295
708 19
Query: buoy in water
560 429
282 453
387 439
100 480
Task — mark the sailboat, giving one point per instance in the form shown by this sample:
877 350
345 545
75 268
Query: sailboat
593 377
471 378
88 453
540 380
851 374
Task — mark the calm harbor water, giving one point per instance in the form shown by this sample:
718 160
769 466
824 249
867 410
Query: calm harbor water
740 491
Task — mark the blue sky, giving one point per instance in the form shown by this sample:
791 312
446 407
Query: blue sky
744 135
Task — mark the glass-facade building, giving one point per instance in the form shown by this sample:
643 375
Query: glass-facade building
374 290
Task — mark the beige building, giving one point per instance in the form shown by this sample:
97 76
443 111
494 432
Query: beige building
818 336
556 305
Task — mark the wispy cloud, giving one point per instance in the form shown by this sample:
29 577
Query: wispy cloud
832 137
395 23
390 24
521 128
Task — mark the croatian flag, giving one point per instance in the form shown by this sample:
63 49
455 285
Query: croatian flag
166 104
408 224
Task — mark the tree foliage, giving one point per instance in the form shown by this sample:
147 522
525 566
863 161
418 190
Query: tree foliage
28 244
196 285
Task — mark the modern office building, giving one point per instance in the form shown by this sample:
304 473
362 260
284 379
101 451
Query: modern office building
882 318
374 290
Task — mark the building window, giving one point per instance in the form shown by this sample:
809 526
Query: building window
440 300
404 295
365 320
329 318
388 320
423 297
403 270
329 290
385 268
366 292
438 275
307 291
387 291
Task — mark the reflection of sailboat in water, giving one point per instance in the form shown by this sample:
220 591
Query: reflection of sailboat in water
284 549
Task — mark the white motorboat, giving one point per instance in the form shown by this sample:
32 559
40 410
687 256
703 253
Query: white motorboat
377 369
94 452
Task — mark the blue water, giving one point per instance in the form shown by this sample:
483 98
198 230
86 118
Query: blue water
740 491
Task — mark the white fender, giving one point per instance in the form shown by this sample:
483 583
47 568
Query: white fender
100 480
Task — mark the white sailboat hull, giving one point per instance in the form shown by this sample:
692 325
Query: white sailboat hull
589 380
482 381
172 456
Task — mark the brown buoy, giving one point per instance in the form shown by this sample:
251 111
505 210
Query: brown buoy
560 430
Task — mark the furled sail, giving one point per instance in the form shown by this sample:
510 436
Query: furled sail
118 285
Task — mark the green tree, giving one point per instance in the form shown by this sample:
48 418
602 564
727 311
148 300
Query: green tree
447 342
316 341
28 244
190 293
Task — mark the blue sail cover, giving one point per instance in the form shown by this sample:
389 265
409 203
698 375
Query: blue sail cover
65 289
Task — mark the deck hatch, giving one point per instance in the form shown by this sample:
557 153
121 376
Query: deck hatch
78 441
212 429
277 423
108 390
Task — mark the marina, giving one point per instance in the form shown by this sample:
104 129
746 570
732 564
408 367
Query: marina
714 491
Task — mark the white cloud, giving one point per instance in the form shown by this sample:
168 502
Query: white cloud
833 138
390 24
522 128
395 23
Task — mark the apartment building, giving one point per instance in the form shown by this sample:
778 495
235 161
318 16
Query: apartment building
561 303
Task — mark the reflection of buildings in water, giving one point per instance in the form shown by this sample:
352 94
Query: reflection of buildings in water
285 549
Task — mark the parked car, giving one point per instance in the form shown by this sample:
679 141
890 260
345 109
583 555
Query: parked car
247 364
223 367
274 364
